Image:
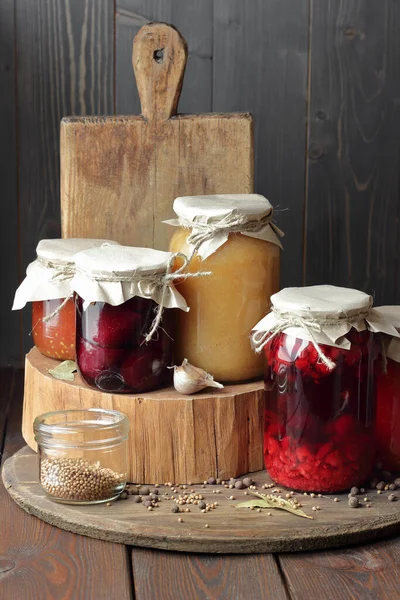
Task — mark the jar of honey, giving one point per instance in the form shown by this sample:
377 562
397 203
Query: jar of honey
388 397
233 237
47 286
124 319
321 354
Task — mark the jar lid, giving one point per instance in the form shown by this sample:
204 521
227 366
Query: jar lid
322 314
114 274
218 206
392 314
123 260
213 218
49 276
63 251
321 301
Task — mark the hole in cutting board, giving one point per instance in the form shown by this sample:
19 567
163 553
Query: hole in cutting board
158 55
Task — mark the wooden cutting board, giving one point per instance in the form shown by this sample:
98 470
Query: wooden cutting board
120 174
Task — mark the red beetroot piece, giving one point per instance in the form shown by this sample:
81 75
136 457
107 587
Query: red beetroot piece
144 369
93 360
118 326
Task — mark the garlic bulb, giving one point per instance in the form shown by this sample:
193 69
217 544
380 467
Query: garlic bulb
189 379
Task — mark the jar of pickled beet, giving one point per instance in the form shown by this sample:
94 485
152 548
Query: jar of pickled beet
47 286
388 396
124 321
320 378
233 237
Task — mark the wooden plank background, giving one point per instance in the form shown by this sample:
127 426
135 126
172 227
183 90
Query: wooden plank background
321 79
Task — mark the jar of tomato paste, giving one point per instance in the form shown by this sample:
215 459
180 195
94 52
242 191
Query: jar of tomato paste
124 319
47 286
233 237
388 397
320 415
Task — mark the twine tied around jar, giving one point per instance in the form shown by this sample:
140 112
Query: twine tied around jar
62 271
146 285
234 222
310 325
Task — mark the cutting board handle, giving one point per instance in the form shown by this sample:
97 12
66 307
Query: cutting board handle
159 60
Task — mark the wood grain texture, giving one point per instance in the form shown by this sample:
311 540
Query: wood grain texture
353 148
195 21
179 577
65 66
130 169
172 437
40 561
365 573
260 65
231 530
10 337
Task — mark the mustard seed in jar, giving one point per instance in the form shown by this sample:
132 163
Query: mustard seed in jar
83 455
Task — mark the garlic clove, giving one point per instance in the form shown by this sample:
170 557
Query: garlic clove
189 379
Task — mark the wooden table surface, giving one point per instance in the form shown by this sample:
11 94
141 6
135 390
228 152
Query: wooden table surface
40 562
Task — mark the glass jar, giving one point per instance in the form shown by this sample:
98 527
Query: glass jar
111 353
388 416
319 425
321 345
224 306
124 317
47 286
56 337
82 455
388 396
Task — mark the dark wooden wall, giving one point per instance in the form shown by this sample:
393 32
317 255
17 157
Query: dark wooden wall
321 77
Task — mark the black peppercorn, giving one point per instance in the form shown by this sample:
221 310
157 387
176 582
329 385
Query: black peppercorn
239 485
354 502
397 481
202 505
154 497
123 496
154 491
137 499
147 503
392 486
232 481
175 508
247 481
212 480
354 491
392 497
144 491
380 485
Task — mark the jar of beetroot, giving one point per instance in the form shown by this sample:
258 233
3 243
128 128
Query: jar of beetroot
47 286
124 324
320 413
388 396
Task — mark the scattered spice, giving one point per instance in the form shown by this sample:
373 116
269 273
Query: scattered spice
392 497
354 502
354 491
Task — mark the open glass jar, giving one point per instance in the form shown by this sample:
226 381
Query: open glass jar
388 398
47 286
122 345
82 454
321 361
233 237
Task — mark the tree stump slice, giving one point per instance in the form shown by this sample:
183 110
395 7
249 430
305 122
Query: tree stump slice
230 529
216 433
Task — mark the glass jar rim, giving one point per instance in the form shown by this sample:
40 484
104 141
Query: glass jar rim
119 419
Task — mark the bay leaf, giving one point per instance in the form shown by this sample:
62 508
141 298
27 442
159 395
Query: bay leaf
64 370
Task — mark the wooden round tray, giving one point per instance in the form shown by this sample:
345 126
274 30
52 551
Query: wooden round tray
230 529
216 433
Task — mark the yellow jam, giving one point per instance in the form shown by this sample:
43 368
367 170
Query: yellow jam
225 306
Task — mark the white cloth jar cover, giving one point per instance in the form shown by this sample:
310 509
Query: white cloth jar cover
49 276
392 314
212 218
322 314
115 274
